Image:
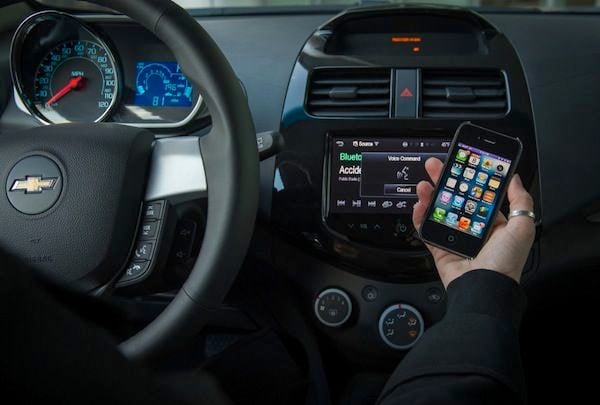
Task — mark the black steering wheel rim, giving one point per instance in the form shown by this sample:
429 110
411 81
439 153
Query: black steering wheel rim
231 165
230 158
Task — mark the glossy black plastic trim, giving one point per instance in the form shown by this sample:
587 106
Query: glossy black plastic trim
300 171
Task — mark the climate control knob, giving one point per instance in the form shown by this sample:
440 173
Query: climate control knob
333 307
401 326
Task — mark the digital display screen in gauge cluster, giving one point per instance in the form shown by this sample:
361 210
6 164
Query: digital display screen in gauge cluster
162 84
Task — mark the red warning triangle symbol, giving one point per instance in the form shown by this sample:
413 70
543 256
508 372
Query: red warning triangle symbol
406 93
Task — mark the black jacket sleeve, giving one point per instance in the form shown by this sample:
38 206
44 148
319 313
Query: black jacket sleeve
472 356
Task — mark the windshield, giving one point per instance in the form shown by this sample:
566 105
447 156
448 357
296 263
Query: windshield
580 5
544 4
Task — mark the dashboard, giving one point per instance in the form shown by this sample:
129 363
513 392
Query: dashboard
67 69
372 95
362 99
365 107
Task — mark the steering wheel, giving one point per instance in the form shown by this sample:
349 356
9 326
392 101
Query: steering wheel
105 172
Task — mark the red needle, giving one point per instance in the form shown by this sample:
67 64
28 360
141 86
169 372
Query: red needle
74 84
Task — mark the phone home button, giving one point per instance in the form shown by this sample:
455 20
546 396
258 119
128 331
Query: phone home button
451 238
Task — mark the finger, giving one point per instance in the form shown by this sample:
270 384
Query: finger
425 191
425 194
500 219
434 168
520 199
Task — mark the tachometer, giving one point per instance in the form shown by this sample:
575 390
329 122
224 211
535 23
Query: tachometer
62 70
76 81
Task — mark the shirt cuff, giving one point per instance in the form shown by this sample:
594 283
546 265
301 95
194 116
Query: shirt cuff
486 292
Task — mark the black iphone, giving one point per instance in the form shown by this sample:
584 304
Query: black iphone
470 190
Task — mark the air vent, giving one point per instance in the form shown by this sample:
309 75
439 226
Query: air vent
463 94
352 93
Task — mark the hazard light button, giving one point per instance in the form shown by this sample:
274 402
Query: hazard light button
405 94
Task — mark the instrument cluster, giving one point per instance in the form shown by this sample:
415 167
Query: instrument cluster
65 69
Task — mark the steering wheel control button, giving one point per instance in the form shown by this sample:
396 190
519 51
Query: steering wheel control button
185 234
149 229
333 307
401 326
153 210
186 230
34 185
143 251
146 254
134 271
370 293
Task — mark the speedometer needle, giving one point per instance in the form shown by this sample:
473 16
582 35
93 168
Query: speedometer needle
75 83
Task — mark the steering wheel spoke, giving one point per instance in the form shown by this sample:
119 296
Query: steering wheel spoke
75 221
176 171
176 175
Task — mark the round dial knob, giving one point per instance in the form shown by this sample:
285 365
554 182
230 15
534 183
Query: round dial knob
333 307
401 326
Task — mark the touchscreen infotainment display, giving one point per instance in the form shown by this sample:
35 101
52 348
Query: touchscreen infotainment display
379 175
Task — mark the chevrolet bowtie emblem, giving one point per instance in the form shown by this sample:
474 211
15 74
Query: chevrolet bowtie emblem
34 184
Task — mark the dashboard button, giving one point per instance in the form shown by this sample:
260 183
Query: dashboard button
333 307
370 293
434 295
406 93
401 326
401 228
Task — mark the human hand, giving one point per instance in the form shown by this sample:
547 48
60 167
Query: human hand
510 241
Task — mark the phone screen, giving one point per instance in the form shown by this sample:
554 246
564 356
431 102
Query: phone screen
470 190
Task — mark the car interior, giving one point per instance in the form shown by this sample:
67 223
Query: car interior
233 180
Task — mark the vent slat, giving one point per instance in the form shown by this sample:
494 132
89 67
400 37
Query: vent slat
355 113
361 92
483 93
463 94
463 82
349 92
462 105
343 81
383 102
449 115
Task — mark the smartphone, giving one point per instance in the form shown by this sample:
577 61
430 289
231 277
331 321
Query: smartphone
470 190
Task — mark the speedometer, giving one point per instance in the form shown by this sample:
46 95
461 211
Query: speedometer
75 81
62 70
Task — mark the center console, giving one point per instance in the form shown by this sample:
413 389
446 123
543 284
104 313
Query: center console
370 186
374 93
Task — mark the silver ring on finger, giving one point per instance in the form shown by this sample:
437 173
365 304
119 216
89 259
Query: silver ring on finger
521 213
